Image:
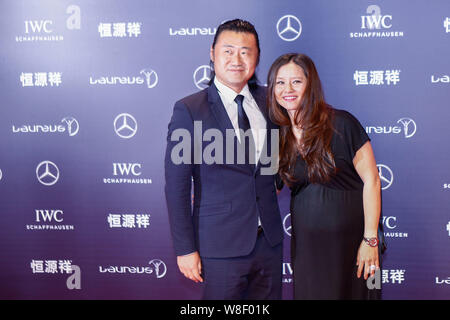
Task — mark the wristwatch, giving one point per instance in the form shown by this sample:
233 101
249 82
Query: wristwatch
373 242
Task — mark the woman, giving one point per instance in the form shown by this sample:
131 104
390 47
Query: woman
327 161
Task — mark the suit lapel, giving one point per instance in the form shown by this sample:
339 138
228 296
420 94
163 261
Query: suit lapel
218 109
259 94
222 118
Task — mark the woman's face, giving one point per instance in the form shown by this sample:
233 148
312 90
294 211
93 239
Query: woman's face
290 84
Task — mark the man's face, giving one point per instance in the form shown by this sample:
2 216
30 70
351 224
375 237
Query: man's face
235 57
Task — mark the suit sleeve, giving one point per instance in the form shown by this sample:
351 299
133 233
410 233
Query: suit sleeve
178 183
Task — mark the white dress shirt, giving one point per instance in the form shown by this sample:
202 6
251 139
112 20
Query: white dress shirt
255 117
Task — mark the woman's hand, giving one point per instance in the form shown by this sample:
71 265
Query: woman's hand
366 258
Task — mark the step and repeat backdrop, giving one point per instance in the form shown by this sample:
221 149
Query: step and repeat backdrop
87 90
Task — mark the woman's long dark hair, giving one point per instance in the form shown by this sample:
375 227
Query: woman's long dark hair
313 116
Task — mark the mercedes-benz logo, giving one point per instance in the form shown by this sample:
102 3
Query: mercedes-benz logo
125 125
159 267
202 76
409 126
47 173
287 224
386 176
72 125
289 28
151 77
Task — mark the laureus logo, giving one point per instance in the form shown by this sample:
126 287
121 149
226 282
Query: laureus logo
72 125
159 268
406 125
156 267
409 126
147 77
151 77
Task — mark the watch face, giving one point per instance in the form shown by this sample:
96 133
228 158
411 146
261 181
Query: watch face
373 242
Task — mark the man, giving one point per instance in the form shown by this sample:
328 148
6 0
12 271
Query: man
232 239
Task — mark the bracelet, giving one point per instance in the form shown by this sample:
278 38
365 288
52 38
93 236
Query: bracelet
373 242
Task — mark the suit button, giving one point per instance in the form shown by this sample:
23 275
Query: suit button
257 198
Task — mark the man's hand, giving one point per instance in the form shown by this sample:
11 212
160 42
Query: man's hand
191 266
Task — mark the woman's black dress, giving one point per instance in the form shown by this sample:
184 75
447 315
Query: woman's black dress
328 222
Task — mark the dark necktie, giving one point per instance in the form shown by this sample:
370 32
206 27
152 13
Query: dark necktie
244 124
243 121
